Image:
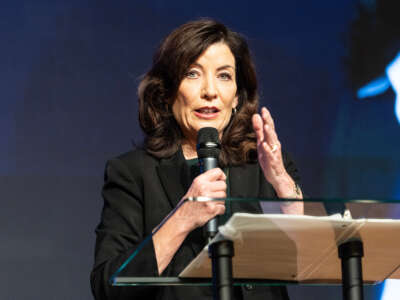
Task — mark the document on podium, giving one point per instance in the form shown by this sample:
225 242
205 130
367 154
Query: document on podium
304 248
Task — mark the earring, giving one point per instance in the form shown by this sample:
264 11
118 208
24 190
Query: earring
234 111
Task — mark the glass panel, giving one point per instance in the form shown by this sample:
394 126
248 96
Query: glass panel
306 244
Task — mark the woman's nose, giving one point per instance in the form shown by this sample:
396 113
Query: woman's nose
208 90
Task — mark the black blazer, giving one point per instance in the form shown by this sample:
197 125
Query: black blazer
139 191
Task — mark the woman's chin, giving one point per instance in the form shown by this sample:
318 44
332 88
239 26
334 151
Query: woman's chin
203 124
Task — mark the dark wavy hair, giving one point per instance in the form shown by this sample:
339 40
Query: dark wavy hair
158 88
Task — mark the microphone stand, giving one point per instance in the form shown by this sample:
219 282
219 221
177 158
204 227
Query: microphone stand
221 253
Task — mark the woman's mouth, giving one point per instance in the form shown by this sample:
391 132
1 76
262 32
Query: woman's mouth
206 112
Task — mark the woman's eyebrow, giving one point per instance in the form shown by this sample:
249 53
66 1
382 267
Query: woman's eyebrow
218 69
226 67
196 65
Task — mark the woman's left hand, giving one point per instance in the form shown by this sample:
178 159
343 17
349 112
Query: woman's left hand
270 156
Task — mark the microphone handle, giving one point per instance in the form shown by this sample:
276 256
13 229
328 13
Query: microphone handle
212 228
208 163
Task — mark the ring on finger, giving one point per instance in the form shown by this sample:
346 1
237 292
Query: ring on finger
274 147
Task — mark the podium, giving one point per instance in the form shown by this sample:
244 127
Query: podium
356 246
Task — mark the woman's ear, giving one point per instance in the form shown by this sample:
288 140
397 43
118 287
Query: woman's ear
235 102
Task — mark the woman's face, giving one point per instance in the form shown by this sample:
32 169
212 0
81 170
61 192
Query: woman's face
207 93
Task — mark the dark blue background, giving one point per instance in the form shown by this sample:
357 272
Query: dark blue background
68 79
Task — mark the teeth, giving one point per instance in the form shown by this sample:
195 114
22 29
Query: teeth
206 110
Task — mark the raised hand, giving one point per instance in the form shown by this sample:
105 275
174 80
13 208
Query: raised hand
270 156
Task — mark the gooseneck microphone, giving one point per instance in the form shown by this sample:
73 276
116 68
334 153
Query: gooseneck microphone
208 149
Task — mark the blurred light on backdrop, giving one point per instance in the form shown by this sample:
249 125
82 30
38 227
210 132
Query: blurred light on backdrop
381 84
374 88
393 73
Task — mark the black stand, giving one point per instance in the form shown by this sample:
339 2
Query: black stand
221 254
350 253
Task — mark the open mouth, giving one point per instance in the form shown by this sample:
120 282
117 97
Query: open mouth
207 110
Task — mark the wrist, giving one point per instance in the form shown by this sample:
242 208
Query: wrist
181 223
288 188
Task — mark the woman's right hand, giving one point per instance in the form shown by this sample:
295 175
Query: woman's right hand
190 215
193 214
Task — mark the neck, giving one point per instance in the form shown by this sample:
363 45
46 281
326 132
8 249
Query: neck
189 150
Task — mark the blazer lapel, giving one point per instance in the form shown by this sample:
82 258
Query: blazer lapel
174 175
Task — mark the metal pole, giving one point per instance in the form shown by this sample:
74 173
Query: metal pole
351 253
221 254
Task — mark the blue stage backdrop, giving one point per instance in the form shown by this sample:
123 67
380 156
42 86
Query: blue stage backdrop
69 75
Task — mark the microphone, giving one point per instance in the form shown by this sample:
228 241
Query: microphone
208 149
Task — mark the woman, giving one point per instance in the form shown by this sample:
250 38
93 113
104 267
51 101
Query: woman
202 76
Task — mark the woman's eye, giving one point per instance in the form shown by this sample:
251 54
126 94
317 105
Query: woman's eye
192 74
225 76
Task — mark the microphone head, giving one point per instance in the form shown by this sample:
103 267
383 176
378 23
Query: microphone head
208 144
